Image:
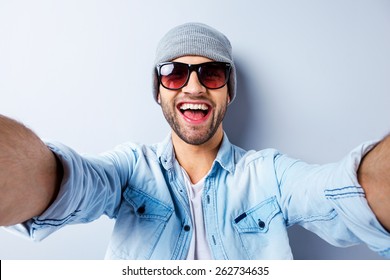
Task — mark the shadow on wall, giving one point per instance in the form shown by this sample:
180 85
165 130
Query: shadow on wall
306 245
241 117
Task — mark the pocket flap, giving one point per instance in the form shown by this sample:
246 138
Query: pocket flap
258 218
146 206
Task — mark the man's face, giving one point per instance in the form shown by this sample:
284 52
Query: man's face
194 112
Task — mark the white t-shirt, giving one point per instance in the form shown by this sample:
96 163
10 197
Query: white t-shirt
199 247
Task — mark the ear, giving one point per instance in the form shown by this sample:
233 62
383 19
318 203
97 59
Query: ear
158 98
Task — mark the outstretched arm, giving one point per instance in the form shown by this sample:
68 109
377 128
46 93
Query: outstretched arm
374 176
30 174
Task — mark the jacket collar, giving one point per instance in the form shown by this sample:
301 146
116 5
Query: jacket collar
225 156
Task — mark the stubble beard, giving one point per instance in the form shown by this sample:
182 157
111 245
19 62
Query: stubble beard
193 135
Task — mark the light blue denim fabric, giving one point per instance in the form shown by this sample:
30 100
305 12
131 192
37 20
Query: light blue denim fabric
250 199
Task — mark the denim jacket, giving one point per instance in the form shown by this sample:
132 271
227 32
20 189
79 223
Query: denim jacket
250 198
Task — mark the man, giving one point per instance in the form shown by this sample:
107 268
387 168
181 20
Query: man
195 195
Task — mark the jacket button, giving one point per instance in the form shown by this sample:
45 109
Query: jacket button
261 224
141 210
187 228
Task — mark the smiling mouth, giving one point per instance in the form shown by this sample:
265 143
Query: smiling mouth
194 112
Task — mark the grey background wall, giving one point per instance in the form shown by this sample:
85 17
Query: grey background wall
313 82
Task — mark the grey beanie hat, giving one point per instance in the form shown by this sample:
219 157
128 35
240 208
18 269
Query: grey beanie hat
195 39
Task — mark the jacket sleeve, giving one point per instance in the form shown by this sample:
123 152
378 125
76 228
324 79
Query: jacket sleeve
91 187
328 200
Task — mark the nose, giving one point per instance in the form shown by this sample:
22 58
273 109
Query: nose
193 85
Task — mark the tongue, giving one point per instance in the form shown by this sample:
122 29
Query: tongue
194 114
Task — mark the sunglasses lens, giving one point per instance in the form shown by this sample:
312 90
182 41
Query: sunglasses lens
173 75
214 75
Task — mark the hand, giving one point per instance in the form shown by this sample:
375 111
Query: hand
29 173
374 176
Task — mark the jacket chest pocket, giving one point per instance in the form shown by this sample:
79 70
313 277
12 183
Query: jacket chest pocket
261 229
141 223
146 207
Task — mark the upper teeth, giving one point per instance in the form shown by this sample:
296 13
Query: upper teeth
189 106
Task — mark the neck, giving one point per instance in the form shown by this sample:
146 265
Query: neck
197 159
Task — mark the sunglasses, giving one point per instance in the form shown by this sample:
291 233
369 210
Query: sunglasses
175 75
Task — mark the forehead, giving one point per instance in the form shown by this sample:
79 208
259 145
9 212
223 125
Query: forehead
192 59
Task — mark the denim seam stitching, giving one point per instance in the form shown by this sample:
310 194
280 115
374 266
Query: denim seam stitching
55 222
